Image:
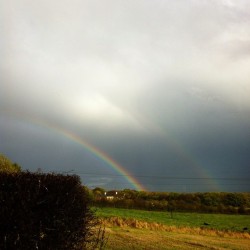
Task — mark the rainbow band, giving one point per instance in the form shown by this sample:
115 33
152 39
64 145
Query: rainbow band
102 156
182 151
88 147
122 170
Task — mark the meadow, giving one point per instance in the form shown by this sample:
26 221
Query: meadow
215 221
138 229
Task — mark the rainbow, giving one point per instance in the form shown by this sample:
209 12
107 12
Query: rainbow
99 154
190 158
121 170
197 167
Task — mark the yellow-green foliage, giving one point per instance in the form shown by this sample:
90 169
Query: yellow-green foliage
7 166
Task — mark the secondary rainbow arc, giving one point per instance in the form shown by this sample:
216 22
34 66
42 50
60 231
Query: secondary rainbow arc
103 156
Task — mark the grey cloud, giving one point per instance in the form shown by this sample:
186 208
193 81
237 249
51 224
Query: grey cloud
131 77
238 49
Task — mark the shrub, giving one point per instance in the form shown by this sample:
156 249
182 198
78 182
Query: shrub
43 211
7 166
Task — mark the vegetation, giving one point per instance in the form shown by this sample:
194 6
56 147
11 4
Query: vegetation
133 238
58 216
7 166
228 203
224 222
46 211
137 229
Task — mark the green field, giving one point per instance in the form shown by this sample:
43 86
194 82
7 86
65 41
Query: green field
125 230
215 221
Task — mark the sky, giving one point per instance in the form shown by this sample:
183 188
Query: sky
160 89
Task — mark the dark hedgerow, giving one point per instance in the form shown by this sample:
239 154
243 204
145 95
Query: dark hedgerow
43 211
208 202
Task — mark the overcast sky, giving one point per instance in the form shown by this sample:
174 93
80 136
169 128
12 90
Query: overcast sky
162 87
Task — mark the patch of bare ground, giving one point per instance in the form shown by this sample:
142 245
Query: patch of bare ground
133 234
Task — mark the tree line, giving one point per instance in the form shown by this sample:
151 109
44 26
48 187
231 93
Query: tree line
208 202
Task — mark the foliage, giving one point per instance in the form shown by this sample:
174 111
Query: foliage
44 211
164 201
7 166
98 191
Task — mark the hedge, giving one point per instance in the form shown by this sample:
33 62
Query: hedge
43 211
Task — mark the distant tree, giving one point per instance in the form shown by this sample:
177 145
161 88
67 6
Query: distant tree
7 166
99 190
98 193
130 193
89 192
210 199
235 199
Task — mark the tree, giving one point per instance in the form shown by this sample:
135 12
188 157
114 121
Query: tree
7 166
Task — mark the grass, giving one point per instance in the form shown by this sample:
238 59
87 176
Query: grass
193 220
136 229
127 239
